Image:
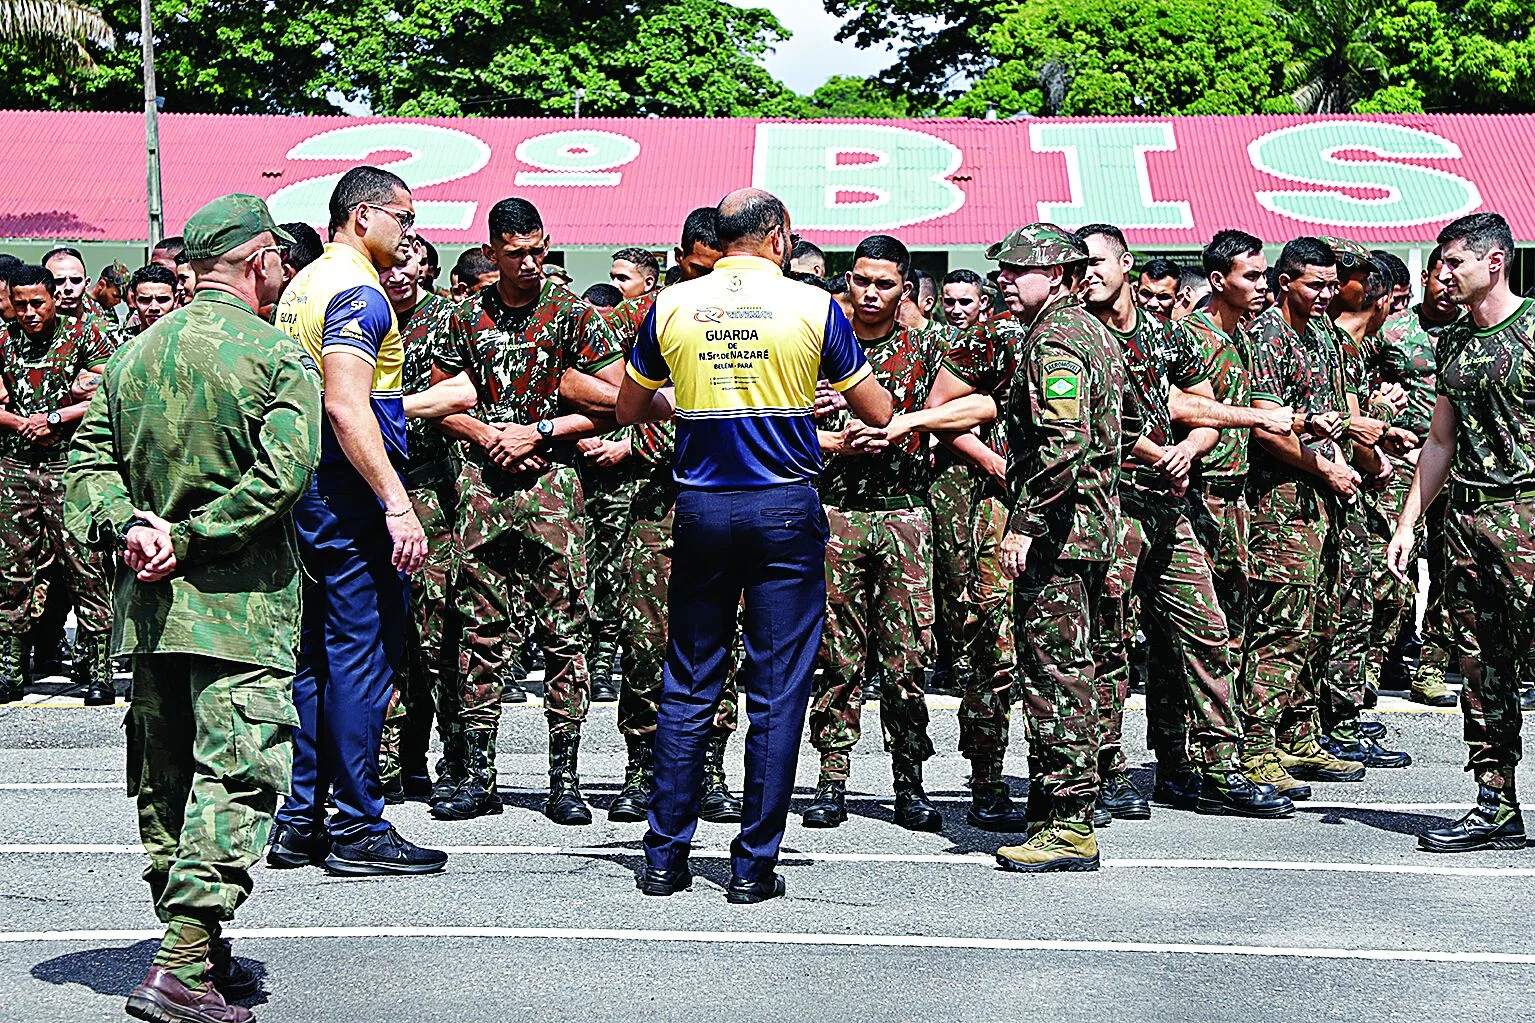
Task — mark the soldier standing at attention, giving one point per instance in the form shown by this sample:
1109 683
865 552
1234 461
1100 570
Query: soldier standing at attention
359 537
190 460
49 368
1482 442
879 589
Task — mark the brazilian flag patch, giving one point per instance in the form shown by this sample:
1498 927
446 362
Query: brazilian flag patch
1062 386
1062 390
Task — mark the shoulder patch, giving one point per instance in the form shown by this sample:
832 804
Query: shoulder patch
307 361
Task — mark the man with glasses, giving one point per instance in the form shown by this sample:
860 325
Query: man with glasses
359 538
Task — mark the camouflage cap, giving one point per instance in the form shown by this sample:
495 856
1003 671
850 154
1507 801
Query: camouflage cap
1038 245
1352 255
558 272
227 223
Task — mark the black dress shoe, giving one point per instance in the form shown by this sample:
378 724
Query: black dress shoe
232 977
1233 794
655 881
1177 789
914 812
829 807
1479 829
992 809
743 892
1123 800
466 802
1371 729
294 847
383 853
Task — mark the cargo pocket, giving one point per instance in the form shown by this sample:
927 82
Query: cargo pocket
262 743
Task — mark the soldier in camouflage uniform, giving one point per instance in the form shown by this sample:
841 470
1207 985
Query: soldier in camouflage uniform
1405 356
48 371
610 476
1480 442
1160 560
879 590
521 528
1295 488
430 680
647 571
190 460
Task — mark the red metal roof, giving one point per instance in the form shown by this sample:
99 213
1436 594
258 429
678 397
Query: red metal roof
1167 181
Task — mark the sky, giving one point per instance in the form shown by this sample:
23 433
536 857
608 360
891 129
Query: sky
813 55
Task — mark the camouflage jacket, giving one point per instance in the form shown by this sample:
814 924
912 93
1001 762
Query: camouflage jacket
422 331
1404 354
38 375
1301 371
905 363
651 444
1064 433
986 357
213 423
1227 365
516 357
1152 364
1489 376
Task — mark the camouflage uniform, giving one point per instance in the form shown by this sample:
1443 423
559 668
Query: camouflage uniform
985 357
1292 512
1489 376
1161 562
38 374
879 584
1404 354
431 657
521 536
214 424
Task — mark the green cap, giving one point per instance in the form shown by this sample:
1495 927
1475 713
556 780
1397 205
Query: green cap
227 223
1352 255
1038 245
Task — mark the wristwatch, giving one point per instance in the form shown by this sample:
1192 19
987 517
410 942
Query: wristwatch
133 523
54 419
545 430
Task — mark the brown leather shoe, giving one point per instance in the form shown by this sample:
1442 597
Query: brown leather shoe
163 998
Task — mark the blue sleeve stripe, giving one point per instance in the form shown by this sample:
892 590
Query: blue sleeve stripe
359 316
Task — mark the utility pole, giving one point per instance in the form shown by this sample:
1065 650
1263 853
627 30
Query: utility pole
580 95
151 126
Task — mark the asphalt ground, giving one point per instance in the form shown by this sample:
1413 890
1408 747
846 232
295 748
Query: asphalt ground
1332 915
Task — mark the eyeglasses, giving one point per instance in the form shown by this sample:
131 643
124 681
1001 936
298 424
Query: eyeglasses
405 218
281 250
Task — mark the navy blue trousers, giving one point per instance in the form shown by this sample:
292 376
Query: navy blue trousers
350 647
770 546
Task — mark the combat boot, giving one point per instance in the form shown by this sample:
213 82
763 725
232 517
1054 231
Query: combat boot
992 808
1056 845
13 681
1310 762
633 800
1263 769
475 795
450 766
828 807
1493 823
1527 699
94 669
1351 744
1232 794
607 679
233 978
1177 787
1036 808
1428 687
717 804
565 805
871 686
1123 801
1371 729
913 810
163 998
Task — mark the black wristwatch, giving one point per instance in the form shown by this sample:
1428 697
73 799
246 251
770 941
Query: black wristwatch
54 419
122 537
545 430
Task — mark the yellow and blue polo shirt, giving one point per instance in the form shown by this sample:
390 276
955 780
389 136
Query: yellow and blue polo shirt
336 304
744 347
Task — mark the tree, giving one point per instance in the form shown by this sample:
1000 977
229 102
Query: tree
1127 57
942 44
1476 55
1338 60
849 96
55 26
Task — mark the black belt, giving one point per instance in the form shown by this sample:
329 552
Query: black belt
895 502
1461 493
1228 488
434 474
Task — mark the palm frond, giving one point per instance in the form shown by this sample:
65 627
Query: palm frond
55 20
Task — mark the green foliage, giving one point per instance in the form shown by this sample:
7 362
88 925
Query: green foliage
1338 60
940 44
1127 57
1472 55
847 96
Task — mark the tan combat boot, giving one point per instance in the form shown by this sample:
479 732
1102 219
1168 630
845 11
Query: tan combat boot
1309 761
1263 768
1428 687
1055 845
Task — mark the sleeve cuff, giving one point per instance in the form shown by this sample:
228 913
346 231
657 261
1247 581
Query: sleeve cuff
857 375
962 374
348 348
1265 396
649 383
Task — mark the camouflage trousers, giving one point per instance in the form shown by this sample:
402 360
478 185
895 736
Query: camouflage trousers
1490 595
209 750
952 499
1290 526
879 603
646 572
987 702
1393 620
522 570
1438 636
430 682
1221 519
609 496
36 544
1163 564
1345 609
1056 601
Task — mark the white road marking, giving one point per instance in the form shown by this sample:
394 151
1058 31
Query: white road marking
35 786
945 859
799 938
